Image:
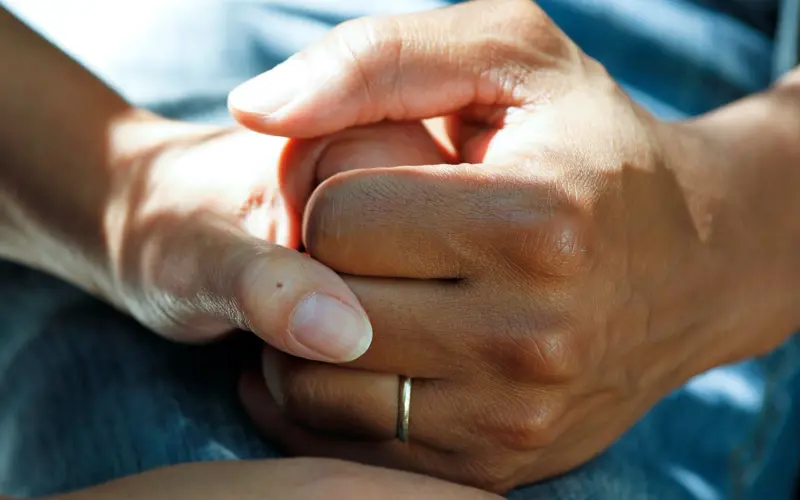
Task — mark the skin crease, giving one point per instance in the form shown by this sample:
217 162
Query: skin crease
584 260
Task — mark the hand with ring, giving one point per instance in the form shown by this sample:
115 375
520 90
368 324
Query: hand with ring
532 302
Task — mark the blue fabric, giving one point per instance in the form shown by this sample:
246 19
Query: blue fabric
87 395
787 38
676 57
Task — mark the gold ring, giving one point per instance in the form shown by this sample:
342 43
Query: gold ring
403 408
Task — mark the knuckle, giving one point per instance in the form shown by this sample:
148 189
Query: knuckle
367 47
535 348
558 237
536 345
363 36
528 427
532 33
555 238
560 246
517 11
353 40
549 356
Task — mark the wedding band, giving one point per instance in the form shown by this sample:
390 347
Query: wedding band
403 408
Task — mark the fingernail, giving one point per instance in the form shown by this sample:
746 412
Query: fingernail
331 328
272 91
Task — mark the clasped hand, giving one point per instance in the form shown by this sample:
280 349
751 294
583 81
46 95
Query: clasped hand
485 211
541 292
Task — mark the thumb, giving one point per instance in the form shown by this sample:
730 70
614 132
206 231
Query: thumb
224 278
407 67
298 305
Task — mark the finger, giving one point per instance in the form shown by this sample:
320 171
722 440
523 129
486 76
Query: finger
296 440
359 404
440 330
400 68
391 223
377 146
442 221
293 439
362 405
236 280
337 401
422 328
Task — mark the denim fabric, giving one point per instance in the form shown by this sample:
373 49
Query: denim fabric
87 395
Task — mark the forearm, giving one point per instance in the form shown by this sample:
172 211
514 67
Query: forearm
57 138
742 187
63 133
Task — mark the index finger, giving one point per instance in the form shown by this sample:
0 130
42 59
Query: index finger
429 222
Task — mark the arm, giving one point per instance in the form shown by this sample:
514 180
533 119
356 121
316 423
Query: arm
186 227
740 169
62 135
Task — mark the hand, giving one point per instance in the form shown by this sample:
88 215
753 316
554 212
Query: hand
290 479
544 294
193 230
203 235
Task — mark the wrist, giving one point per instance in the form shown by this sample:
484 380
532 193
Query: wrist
139 146
60 209
738 168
